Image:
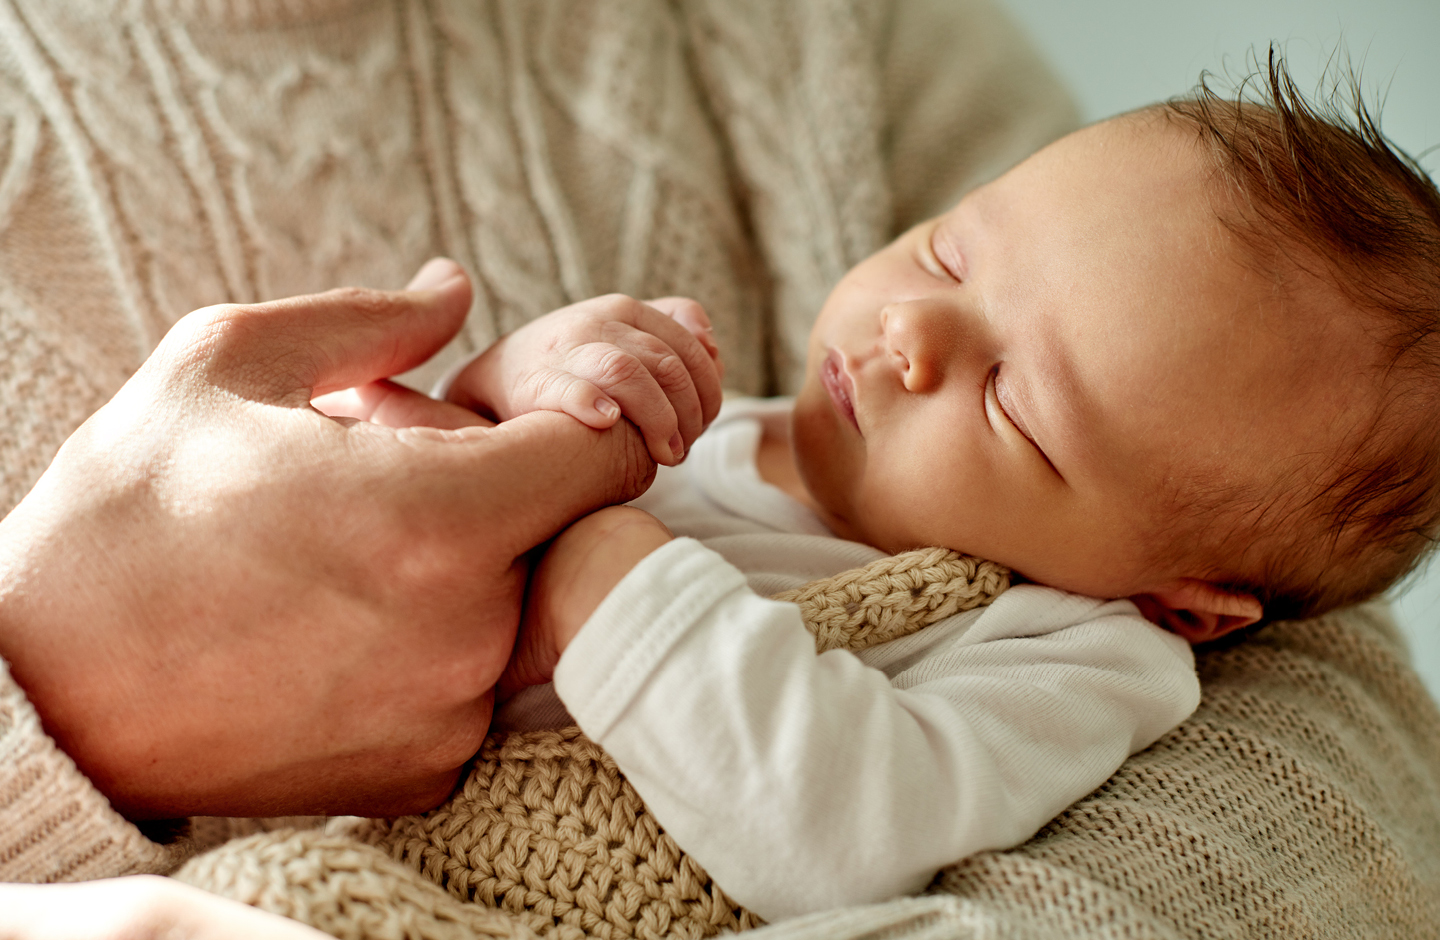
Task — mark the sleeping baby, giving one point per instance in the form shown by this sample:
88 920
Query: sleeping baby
1177 371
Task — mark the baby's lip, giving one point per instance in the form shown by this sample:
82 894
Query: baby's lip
839 386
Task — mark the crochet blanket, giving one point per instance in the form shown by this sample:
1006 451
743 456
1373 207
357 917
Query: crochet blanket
545 827
1302 800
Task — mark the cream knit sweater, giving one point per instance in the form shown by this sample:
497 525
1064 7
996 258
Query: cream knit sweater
161 155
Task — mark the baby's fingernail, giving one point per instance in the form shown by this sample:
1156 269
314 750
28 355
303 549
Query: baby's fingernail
606 407
435 272
677 446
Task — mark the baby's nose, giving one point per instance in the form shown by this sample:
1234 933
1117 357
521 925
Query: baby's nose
916 337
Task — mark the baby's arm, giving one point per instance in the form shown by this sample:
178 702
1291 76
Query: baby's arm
582 565
802 782
656 363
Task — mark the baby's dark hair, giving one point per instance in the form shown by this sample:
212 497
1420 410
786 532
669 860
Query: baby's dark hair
1318 187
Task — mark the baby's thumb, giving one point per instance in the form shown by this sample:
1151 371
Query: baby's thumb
689 314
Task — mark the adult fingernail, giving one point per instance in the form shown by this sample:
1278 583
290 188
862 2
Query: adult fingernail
435 273
677 446
606 407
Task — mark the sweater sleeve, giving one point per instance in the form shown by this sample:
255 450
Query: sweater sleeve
54 824
802 782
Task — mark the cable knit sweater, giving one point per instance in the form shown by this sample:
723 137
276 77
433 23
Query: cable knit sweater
161 155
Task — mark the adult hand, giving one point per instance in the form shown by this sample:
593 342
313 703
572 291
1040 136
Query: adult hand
135 908
223 602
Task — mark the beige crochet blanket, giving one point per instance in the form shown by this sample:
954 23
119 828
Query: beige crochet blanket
1302 800
545 828
162 155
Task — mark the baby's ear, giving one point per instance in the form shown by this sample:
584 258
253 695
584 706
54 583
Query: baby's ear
1198 610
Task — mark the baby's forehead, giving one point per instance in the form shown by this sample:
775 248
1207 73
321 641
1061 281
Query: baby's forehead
1281 397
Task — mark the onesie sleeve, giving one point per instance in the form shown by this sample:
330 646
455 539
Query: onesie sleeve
802 782
54 824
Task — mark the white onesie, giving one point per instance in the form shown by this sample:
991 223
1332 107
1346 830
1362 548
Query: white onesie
800 781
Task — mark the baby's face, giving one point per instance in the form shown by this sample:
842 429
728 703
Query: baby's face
1034 375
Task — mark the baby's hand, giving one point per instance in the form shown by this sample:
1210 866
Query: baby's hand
582 566
656 363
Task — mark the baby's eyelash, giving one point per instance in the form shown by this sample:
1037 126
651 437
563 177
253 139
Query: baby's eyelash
992 388
954 272
931 260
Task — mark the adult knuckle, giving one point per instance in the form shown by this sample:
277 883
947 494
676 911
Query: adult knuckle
209 326
362 300
212 342
449 751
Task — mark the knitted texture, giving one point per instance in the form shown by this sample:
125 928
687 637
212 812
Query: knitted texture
1301 800
547 828
894 596
344 888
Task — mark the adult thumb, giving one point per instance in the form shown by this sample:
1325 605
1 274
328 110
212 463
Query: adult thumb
289 351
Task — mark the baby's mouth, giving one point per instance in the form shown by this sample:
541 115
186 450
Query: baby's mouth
839 387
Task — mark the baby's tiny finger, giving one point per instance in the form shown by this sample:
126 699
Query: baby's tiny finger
629 382
689 314
560 390
674 323
588 405
670 374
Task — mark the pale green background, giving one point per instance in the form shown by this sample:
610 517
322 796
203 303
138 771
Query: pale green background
1119 54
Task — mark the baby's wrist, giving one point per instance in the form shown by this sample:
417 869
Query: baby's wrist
471 386
622 540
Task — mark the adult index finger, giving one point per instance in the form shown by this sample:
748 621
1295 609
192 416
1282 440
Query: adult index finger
514 486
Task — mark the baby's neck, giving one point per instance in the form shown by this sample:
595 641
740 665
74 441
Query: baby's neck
775 462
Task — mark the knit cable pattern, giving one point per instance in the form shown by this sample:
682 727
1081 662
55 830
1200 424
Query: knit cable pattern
546 828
